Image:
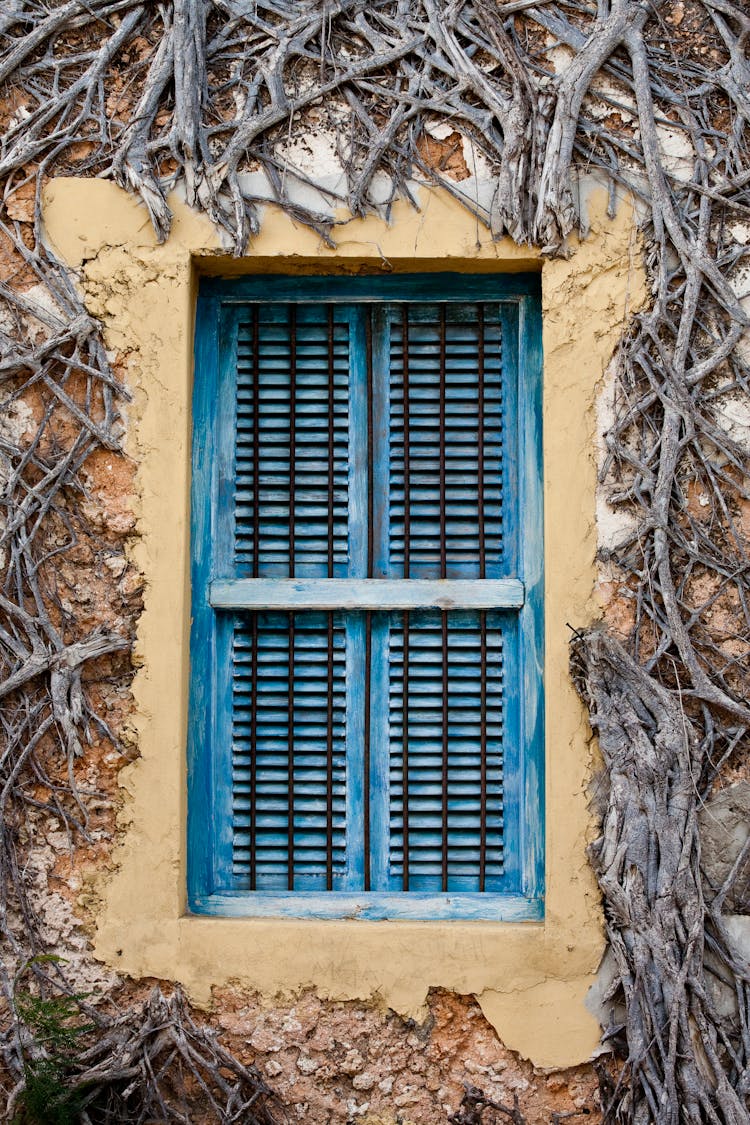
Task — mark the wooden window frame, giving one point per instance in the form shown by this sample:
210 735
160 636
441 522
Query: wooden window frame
207 838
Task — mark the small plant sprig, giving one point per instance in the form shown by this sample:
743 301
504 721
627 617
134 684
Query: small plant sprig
53 1031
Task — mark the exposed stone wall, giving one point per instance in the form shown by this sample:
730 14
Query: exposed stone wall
330 1061
335 1062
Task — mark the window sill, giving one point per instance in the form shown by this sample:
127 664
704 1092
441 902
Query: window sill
375 906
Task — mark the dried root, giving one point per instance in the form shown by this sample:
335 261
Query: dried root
212 94
686 1060
150 1063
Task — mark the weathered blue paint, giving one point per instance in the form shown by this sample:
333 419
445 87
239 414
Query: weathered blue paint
359 470
413 906
381 439
222 531
379 781
222 593
391 287
355 724
366 593
531 618
200 853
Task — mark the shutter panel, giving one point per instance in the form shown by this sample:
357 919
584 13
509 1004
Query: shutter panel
446 443
447 406
288 677
446 705
289 751
301 417
292 436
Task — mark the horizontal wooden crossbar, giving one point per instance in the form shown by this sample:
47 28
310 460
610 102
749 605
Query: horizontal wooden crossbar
366 593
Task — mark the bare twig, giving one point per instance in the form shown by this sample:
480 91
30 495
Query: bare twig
204 91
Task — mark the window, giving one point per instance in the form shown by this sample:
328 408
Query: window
366 724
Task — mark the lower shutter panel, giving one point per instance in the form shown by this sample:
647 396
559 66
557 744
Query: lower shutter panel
289 752
446 752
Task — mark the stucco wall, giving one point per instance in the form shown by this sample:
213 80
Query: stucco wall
530 979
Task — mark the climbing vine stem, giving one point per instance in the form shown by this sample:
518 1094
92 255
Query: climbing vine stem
211 96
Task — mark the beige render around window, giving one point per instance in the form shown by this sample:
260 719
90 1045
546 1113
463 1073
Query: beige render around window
530 979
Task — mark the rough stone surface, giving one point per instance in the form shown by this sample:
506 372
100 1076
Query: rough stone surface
331 1062
337 1062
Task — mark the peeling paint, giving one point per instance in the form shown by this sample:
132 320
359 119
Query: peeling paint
677 153
732 413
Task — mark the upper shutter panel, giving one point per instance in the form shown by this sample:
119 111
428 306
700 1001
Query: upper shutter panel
291 450
446 442
447 724
289 752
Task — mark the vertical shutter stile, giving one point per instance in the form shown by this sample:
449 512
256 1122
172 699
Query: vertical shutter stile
292 526
252 749
367 764
444 731
329 670
482 616
405 702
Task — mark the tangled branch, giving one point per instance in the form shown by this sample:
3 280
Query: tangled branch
212 95
686 1060
152 1063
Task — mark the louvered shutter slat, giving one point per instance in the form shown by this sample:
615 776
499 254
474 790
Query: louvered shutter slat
289 752
292 443
446 806
446 457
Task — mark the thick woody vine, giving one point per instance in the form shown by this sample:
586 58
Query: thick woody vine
200 92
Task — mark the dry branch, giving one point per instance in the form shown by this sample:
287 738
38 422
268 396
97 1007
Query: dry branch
647 860
201 92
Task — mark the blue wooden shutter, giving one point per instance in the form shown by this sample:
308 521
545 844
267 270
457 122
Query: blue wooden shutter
291 519
450 400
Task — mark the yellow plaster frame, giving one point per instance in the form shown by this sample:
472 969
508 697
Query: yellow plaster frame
530 979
